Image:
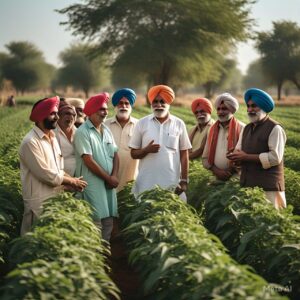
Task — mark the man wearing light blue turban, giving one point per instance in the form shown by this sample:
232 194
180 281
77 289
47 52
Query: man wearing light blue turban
260 149
122 126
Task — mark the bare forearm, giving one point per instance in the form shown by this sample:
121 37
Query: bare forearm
184 161
94 167
138 153
116 163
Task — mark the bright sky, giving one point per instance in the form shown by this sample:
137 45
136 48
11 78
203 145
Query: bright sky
37 22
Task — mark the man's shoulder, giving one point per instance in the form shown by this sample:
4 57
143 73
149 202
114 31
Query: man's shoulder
177 120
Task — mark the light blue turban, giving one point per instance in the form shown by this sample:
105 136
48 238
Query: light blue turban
262 99
129 94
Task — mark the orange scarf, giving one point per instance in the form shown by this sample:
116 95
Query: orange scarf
233 136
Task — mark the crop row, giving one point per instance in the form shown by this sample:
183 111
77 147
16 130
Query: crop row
177 258
63 258
252 229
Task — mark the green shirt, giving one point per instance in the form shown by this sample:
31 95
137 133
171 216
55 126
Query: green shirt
102 147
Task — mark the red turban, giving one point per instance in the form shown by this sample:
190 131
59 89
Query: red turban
43 108
162 90
95 103
202 103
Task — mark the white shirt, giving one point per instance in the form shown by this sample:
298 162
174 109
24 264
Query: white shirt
67 150
162 168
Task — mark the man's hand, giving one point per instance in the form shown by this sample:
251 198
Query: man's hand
112 182
152 148
237 155
78 183
221 174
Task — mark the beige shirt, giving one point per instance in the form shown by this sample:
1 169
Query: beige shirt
199 134
221 160
67 150
276 143
41 166
128 167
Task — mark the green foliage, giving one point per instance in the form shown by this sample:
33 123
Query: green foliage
26 67
62 258
175 255
142 37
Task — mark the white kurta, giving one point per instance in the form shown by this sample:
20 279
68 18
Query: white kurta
67 150
128 167
276 143
162 168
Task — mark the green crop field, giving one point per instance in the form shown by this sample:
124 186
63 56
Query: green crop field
228 243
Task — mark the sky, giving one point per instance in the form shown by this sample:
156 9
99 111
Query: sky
37 22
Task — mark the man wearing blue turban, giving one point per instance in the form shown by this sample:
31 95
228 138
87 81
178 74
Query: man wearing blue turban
260 149
122 126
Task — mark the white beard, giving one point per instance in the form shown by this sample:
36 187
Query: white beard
205 120
123 113
163 113
257 117
225 118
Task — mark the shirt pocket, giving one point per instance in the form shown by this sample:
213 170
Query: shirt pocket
172 142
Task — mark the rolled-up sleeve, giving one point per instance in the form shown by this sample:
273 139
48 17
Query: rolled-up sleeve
36 163
82 143
276 143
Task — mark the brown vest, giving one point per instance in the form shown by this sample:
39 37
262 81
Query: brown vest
255 141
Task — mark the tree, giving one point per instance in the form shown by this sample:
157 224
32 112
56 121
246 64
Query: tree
160 40
255 76
80 70
280 51
25 67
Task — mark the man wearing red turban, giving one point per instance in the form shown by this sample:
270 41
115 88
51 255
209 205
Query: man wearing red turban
97 160
161 142
202 109
41 162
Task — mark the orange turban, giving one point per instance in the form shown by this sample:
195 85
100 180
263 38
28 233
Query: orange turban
162 90
95 103
202 103
43 108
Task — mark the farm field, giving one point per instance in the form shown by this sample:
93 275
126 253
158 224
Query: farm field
227 244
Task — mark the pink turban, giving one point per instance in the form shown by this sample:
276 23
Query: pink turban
95 103
162 90
203 104
43 108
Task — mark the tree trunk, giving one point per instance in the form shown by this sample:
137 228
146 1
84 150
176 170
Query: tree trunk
279 87
208 86
86 92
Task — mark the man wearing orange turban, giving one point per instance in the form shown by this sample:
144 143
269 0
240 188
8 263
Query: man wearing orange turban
97 160
41 162
202 109
161 142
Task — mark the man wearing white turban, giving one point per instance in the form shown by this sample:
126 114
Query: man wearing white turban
222 138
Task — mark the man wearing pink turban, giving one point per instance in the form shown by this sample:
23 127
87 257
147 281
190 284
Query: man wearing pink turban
41 162
98 162
161 142
202 109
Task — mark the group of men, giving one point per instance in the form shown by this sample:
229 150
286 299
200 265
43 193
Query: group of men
74 147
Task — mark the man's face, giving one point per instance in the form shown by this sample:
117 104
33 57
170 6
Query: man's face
160 108
51 121
67 118
123 109
255 114
202 116
100 115
223 113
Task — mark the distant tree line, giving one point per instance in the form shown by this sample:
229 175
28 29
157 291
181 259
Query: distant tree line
185 44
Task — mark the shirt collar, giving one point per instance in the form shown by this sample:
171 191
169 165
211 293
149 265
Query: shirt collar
114 120
171 117
41 134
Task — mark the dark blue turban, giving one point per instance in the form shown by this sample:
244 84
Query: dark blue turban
262 99
129 94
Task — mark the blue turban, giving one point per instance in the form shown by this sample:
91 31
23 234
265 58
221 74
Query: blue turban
129 94
262 99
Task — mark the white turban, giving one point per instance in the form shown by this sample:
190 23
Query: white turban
229 101
77 102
